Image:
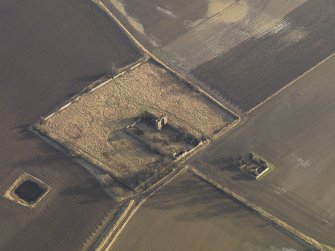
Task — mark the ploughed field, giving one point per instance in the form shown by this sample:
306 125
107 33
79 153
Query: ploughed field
295 132
242 51
49 50
190 214
52 49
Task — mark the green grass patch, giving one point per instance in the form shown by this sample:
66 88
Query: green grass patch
270 166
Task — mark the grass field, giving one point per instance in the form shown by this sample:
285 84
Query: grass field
94 126
295 132
189 214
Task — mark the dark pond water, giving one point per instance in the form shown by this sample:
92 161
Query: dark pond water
29 191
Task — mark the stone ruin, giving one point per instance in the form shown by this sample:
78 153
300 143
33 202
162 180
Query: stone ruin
252 165
173 142
160 122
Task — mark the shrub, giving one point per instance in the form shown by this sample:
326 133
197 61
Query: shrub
105 180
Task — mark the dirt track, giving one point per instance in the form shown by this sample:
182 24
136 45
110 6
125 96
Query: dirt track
189 214
49 50
295 131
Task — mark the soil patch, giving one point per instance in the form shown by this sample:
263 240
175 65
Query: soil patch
295 132
189 214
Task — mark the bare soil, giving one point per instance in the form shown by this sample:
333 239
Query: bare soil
189 214
295 132
50 50
253 70
240 51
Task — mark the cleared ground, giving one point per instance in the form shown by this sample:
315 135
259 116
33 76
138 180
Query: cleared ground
243 51
189 214
265 62
95 124
49 50
294 131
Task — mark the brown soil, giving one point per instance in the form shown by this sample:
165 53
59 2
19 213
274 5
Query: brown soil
189 214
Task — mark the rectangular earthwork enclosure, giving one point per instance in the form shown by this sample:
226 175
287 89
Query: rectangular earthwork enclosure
110 126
